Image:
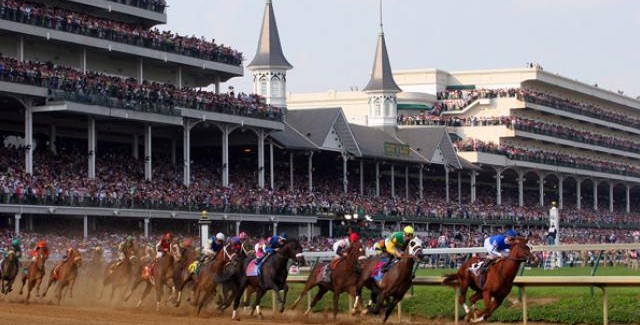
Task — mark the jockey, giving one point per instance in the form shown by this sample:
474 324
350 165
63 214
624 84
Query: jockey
124 246
341 246
186 243
396 244
259 248
273 245
15 247
43 245
497 246
215 245
236 243
379 248
163 246
243 236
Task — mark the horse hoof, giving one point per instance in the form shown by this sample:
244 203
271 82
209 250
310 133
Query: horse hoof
260 317
353 311
477 319
364 312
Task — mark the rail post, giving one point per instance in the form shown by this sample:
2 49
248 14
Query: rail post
595 268
456 308
525 314
605 306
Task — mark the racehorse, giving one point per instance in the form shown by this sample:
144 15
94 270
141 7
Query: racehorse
209 276
181 274
344 277
273 276
120 273
158 274
65 274
497 281
393 285
8 271
35 273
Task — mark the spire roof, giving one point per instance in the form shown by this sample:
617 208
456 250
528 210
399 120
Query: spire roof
381 74
269 53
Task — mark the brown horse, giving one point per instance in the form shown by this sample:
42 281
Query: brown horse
35 273
119 274
65 274
158 274
498 280
343 278
210 275
181 274
273 276
393 285
8 271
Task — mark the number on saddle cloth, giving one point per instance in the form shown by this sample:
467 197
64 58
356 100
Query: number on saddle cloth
377 273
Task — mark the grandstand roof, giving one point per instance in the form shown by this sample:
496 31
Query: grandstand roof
327 128
432 143
269 53
372 143
291 138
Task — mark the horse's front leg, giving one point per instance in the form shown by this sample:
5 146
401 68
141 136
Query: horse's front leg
38 283
283 301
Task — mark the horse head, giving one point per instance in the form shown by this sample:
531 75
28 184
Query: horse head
357 251
11 256
521 250
292 250
415 247
175 251
74 255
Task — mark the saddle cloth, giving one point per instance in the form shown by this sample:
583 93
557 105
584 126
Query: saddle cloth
475 267
252 268
377 273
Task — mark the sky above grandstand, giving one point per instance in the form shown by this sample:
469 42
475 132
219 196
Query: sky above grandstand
331 42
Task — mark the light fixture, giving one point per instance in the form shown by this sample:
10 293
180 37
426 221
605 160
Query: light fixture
347 216
368 217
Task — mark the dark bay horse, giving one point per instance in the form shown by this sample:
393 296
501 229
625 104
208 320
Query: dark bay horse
498 280
344 278
35 273
181 275
158 274
394 283
273 276
119 274
65 274
209 276
8 271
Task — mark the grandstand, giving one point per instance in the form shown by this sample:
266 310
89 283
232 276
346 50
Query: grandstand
98 105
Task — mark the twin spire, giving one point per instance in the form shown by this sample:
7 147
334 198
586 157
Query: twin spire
381 74
269 53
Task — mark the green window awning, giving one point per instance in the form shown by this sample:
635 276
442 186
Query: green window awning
461 87
415 107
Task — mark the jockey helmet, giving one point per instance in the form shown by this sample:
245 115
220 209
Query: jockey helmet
284 235
98 249
168 236
42 244
511 233
130 238
408 230
354 237
219 236
186 242
15 242
243 235
235 240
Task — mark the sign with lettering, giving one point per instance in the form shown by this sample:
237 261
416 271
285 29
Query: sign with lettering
396 149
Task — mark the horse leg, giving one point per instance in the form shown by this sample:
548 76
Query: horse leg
336 301
352 291
389 309
38 283
72 282
51 281
259 293
321 291
146 291
486 297
24 280
282 300
497 301
135 284
307 287
207 295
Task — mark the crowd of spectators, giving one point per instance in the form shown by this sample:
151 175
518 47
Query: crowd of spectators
153 5
455 100
453 121
57 18
113 91
543 156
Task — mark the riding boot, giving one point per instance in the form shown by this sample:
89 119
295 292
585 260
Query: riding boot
388 264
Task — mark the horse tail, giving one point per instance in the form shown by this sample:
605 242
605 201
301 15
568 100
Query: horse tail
451 279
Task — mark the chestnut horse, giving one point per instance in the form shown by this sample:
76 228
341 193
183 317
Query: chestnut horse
273 276
498 280
35 273
158 274
8 271
210 275
181 275
395 282
344 278
65 274
119 274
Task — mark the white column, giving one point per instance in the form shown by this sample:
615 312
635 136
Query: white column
393 181
30 223
140 71
361 177
377 179
179 77
174 148
217 85
271 161
85 224
330 228
473 186
275 228
291 171
28 138
92 147
146 228
541 188
345 180
498 186
83 60
446 184
520 188
561 191
309 233
204 230
17 222
52 139
406 181
237 228
261 137
578 193
186 153
460 187
309 171
148 172
225 155
20 48
628 197
421 181
595 195
134 147
610 197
